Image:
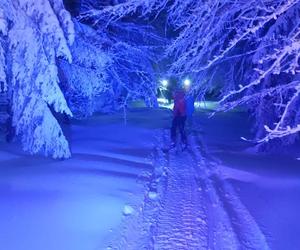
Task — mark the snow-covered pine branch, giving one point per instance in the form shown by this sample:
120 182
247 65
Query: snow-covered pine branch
250 98
273 133
282 128
40 32
85 82
135 51
107 14
134 48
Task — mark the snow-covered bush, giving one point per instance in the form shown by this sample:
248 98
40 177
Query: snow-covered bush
39 32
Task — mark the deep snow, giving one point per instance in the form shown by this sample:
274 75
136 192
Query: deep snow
268 185
120 190
74 204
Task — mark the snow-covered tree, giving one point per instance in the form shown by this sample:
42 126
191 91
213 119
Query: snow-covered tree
135 51
263 42
37 33
135 48
246 50
85 82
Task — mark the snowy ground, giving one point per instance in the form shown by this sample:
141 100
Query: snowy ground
267 185
74 204
123 190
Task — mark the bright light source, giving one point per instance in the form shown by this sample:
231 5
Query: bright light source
162 100
187 82
165 83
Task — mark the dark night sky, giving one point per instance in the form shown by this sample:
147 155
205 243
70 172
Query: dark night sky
73 6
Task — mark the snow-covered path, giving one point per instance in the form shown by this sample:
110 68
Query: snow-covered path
181 222
195 207
199 210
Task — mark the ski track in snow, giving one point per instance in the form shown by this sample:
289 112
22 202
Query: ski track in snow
179 224
196 208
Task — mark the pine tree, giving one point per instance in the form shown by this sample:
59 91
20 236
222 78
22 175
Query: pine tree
40 31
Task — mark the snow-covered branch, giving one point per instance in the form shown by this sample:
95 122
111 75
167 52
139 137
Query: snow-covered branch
40 32
134 48
216 34
113 13
85 82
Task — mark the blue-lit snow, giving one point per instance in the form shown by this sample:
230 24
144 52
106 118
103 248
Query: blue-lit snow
73 204
116 189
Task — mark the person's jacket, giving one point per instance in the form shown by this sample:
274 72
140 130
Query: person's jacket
179 103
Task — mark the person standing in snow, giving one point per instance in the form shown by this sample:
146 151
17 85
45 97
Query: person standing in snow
179 116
